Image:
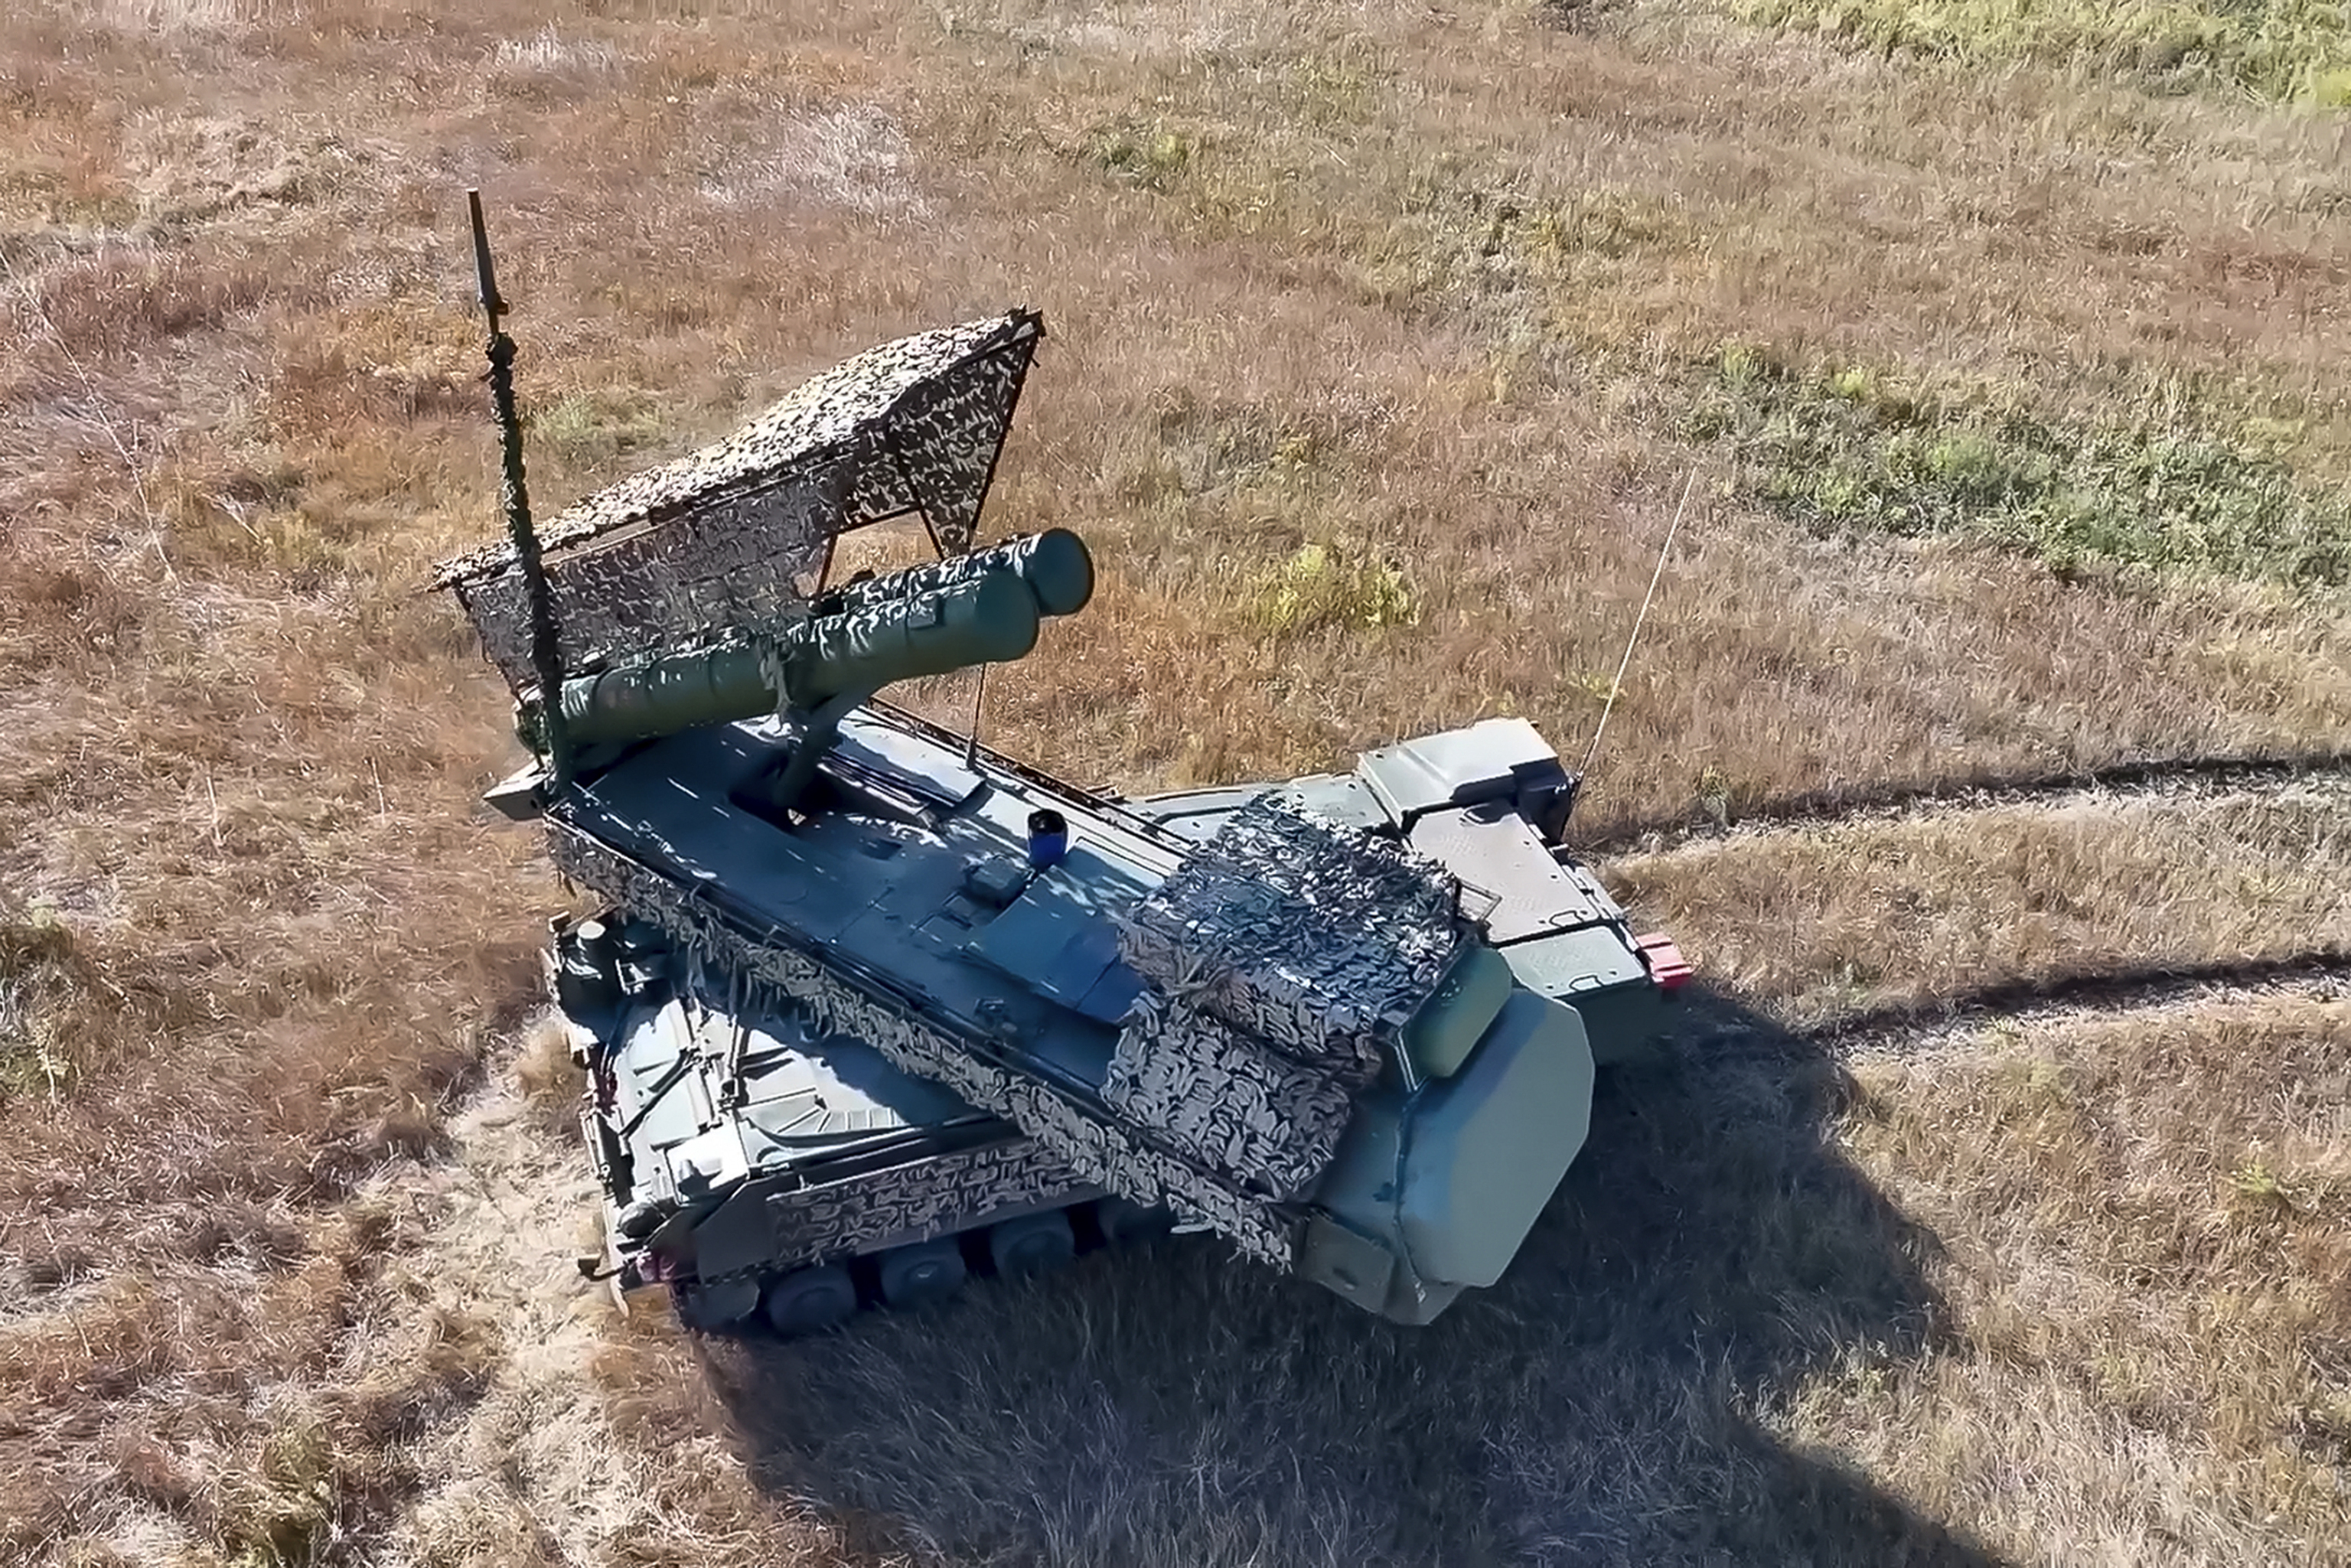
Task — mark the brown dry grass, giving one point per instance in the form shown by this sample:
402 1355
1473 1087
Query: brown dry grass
1429 284
2157 1294
1816 924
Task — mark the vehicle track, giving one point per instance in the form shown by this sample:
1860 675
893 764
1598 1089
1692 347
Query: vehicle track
2177 778
2322 974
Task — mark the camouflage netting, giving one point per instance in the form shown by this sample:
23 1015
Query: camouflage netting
730 536
823 1221
1268 1122
1132 1161
736 563
1282 959
1320 940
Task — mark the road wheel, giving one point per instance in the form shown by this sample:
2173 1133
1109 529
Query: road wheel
809 1300
715 1309
1122 1219
925 1273
1032 1244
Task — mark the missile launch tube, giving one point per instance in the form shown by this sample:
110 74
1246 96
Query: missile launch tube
1055 564
989 618
984 617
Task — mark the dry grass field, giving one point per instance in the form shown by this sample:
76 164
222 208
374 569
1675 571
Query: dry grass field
1993 1211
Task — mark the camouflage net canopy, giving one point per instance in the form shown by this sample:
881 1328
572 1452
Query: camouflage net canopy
734 535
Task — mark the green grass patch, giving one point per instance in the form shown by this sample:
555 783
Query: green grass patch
1849 449
1320 585
595 426
39 972
1150 154
2288 51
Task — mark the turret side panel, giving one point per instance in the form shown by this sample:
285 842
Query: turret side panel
816 1224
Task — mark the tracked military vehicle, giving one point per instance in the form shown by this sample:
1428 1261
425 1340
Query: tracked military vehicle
869 1006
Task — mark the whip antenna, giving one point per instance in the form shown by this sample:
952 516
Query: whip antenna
1618 684
515 500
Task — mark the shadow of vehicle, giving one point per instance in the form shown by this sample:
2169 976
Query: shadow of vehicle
1609 1401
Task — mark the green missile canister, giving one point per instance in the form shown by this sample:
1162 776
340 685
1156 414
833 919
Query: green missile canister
980 608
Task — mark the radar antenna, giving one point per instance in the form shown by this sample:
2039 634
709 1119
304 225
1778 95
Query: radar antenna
514 497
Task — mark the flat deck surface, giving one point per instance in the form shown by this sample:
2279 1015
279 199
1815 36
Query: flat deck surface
894 896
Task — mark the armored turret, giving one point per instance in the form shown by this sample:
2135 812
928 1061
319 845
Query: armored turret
1349 1022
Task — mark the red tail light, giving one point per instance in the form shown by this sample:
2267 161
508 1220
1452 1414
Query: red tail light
1666 964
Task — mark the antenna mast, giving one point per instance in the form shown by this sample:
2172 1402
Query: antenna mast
1617 684
514 497
971 736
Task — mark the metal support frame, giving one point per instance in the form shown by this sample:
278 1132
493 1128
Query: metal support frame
817 736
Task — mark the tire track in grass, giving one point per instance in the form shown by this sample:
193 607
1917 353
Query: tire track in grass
2171 779
2320 973
1724 1024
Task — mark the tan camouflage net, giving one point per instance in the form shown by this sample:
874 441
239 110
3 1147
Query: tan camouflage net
833 1218
1268 1123
1320 940
1109 1154
1281 960
733 535
738 561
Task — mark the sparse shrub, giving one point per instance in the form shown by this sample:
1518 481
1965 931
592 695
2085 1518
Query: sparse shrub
1742 365
246 1234
119 300
280 1508
551 1082
1326 91
39 972
1147 153
1326 585
411 1130
1190 448
317 1467
1595 686
448 1363
1466 232
2038 1084
595 426
546 66
1714 793
1579 15
289 539
2256 1190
